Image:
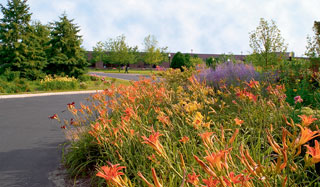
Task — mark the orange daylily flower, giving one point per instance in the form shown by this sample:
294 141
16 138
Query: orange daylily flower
193 179
211 182
217 160
253 83
238 121
306 135
234 136
153 141
205 167
129 111
184 139
314 152
164 119
307 120
155 178
145 180
206 138
111 174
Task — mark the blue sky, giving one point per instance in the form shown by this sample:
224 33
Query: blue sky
205 26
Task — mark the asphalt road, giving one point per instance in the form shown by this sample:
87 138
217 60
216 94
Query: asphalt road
134 77
29 141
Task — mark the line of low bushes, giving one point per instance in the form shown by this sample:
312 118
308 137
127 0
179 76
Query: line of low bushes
10 82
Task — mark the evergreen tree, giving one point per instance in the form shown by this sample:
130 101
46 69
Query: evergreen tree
66 57
14 31
178 61
38 40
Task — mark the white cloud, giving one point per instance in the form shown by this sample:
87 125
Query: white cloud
206 26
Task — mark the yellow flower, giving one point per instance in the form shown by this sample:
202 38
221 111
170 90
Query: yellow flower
190 107
198 120
180 89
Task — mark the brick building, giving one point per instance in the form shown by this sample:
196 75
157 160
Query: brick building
100 65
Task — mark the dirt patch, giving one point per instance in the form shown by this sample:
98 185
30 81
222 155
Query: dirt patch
60 177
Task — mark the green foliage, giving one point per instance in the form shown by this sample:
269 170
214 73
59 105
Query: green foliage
267 44
195 61
10 82
119 52
59 83
178 61
170 125
299 80
81 157
99 53
21 49
14 32
37 43
313 46
66 57
210 62
187 61
153 54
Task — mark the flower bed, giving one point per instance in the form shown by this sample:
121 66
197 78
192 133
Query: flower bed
180 132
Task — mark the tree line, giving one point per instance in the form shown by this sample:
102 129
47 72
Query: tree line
33 49
116 51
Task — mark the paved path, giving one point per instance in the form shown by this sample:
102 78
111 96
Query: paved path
29 141
134 77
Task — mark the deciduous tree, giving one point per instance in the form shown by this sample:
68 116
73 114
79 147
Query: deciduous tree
313 46
120 53
99 53
267 44
153 54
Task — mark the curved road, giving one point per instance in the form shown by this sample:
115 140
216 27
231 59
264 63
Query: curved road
133 77
29 141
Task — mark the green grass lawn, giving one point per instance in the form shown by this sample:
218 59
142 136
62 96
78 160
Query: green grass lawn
131 71
34 86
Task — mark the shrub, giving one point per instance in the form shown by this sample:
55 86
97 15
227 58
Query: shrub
11 75
84 78
59 83
300 79
83 85
228 73
178 61
15 86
